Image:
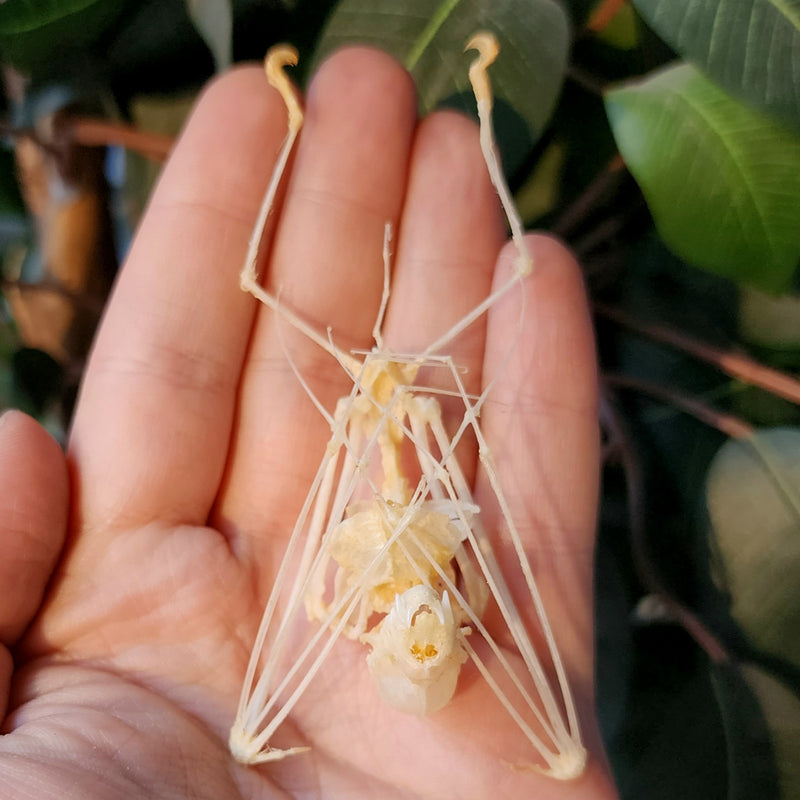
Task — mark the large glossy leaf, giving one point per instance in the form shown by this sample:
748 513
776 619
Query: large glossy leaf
428 36
752 771
771 322
762 728
781 709
753 502
21 16
751 47
34 31
721 180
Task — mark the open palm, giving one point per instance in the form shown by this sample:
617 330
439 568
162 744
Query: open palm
194 444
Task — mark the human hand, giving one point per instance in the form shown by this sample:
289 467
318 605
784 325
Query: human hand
193 447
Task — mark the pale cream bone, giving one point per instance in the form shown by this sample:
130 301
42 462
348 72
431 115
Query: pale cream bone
401 563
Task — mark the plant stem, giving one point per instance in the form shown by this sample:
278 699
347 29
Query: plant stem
737 365
590 197
621 442
729 424
89 132
80 300
604 232
425 38
101 133
603 14
585 80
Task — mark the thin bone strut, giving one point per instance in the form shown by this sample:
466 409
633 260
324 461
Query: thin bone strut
277 58
377 328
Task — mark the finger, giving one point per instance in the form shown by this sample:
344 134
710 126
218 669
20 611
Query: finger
348 181
451 232
540 421
33 518
152 425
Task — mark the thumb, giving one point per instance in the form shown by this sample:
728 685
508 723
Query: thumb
33 521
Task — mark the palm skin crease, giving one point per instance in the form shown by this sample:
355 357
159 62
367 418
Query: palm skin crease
135 570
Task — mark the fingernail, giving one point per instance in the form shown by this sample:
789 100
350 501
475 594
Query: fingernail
7 415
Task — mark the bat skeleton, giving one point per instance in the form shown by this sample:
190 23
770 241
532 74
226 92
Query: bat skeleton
394 556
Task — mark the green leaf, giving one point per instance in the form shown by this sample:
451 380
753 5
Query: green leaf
762 728
781 710
751 760
721 180
214 22
754 511
770 327
22 16
428 36
539 194
623 30
34 31
769 321
750 47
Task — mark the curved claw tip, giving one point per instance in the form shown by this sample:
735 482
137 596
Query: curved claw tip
279 56
486 44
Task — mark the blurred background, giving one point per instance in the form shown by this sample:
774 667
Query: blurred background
661 140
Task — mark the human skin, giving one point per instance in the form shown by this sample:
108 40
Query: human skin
135 571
